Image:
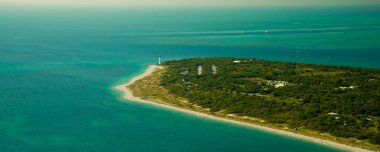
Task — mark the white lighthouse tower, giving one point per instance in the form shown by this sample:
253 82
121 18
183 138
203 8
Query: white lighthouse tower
159 60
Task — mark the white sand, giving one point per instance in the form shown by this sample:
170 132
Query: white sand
128 94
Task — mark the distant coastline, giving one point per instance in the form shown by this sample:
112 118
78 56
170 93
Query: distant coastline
128 94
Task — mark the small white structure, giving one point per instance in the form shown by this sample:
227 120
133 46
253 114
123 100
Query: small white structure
237 61
332 113
350 87
278 84
200 70
214 69
185 72
159 60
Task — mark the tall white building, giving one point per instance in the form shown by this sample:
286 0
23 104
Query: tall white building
200 70
214 69
159 60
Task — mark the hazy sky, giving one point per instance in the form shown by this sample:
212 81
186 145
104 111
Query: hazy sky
207 3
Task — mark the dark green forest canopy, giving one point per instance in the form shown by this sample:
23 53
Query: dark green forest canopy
342 101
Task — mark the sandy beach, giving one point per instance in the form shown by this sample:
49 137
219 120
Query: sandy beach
128 94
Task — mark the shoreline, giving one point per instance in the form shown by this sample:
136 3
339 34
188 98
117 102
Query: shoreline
128 94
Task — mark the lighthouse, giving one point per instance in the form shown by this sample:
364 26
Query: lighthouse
159 60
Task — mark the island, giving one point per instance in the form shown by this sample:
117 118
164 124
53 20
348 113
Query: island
333 105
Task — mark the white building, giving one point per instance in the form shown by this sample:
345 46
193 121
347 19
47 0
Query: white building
350 87
200 70
278 84
214 69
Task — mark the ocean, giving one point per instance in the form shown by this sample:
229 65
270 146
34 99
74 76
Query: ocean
58 67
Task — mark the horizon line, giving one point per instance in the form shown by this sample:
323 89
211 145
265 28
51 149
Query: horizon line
176 5
78 5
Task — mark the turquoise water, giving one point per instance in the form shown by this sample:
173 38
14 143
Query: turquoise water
58 67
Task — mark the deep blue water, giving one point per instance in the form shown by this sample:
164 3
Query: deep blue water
58 67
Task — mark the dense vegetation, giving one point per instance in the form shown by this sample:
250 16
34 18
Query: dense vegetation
342 101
